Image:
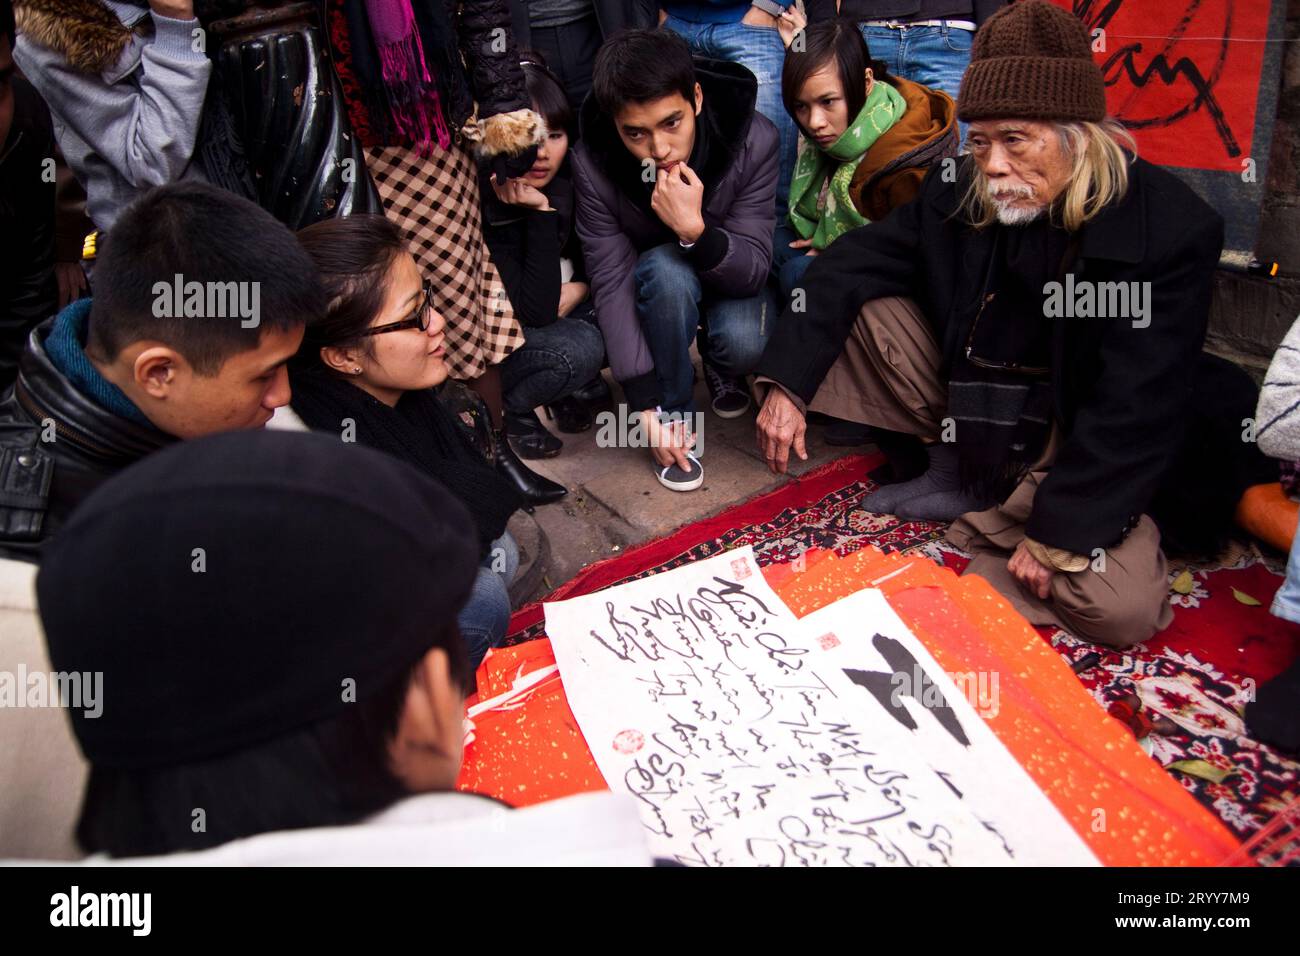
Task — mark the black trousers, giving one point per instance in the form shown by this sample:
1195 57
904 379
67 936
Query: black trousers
570 51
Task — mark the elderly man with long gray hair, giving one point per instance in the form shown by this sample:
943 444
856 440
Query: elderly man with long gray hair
1025 337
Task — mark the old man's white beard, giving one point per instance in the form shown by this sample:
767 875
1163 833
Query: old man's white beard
1012 215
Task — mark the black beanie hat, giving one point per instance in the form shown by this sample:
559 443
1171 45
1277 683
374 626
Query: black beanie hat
321 561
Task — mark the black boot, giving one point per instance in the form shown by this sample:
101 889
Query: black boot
594 392
535 488
529 436
570 415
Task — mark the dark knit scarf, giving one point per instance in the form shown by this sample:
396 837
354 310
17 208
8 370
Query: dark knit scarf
419 431
350 42
66 348
1003 414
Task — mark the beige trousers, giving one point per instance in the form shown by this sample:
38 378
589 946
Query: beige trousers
888 376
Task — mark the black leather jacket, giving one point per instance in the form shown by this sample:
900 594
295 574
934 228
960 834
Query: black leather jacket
56 447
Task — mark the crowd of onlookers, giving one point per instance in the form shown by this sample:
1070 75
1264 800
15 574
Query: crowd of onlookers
407 225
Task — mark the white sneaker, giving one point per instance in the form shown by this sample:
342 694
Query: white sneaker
674 478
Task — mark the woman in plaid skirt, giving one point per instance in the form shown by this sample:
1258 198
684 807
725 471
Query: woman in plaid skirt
412 72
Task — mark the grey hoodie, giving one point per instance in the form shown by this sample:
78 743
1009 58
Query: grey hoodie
126 115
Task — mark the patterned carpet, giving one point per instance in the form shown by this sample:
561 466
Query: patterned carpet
1194 678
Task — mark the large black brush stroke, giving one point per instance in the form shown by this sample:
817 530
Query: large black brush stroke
881 685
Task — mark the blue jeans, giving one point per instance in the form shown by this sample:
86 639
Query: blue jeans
932 56
788 265
1286 602
554 361
759 50
486 614
673 306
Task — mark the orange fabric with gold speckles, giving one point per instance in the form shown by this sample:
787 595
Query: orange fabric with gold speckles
531 752
1123 804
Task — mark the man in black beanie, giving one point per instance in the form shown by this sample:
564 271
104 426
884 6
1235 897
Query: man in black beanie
274 618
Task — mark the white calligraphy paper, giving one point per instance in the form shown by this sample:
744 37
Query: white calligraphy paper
701 696
899 681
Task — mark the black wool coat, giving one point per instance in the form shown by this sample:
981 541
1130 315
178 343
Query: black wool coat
1122 394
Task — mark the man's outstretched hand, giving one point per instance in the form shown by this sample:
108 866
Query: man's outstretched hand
780 426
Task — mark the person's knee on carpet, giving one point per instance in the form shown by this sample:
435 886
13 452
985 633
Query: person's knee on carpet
1119 624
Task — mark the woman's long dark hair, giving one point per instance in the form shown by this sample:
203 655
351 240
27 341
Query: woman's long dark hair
837 41
547 94
353 255
332 773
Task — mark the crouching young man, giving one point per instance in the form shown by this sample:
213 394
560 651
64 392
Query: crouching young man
676 183
200 299
1038 322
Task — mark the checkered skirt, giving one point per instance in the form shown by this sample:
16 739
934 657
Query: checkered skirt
435 200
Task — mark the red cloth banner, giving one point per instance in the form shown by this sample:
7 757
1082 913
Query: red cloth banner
1183 76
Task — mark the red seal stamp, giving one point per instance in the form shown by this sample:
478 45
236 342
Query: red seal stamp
828 641
740 569
629 741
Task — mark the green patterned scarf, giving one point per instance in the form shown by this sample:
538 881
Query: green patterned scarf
823 222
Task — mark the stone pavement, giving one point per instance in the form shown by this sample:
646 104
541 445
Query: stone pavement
615 501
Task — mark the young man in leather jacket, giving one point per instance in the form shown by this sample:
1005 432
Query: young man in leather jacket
201 297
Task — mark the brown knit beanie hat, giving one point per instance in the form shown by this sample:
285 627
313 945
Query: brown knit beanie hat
1032 60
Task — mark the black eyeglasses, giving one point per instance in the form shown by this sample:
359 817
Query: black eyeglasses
420 320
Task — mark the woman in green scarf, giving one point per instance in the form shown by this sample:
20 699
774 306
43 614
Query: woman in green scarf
867 139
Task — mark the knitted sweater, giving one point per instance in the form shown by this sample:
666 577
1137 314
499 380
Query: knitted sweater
1277 419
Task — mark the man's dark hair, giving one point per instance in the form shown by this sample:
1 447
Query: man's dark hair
547 94
352 256
639 66
837 41
206 235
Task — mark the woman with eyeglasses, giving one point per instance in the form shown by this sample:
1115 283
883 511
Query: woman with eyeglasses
367 373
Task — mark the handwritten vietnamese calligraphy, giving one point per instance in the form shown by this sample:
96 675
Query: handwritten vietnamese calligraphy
705 700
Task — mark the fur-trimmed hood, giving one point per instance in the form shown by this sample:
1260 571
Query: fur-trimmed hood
90 34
